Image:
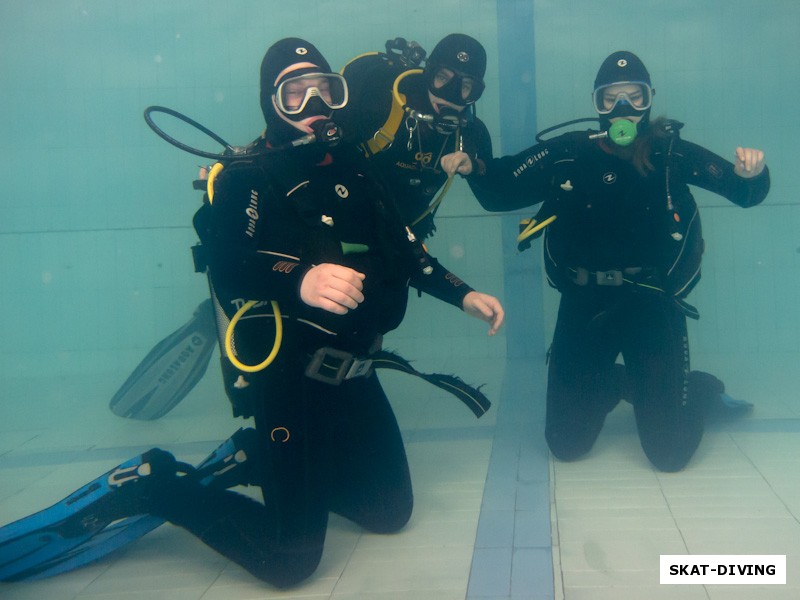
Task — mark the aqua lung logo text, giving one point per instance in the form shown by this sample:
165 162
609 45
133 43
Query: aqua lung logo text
252 214
183 357
530 161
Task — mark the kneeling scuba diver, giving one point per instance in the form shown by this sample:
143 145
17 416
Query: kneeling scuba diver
174 366
622 98
140 396
116 508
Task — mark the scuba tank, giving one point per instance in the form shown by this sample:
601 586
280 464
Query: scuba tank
373 120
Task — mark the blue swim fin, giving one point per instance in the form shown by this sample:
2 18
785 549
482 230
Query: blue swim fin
725 407
48 533
170 370
59 539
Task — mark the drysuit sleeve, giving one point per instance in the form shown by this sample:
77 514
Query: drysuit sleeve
442 285
704 169
521 180
231 230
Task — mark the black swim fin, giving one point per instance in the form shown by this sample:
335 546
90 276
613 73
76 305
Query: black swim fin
68 535
170 370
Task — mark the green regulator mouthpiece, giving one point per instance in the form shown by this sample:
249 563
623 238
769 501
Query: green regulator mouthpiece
622 132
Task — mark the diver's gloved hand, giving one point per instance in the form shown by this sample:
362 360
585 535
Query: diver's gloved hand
749 162
456 162
334 288
485 307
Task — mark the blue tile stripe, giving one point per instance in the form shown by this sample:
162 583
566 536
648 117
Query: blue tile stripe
513 557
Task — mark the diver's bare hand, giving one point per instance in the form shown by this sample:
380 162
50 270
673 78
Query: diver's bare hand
456 162
749 162
334 288
485 307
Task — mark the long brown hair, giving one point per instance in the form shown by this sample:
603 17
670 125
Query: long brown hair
639 153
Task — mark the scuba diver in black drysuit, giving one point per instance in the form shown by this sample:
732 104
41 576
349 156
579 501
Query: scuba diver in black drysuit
404 119
405 134
302 246
308 229
623 245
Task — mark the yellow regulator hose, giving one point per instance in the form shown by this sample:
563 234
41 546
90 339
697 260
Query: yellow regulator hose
275 346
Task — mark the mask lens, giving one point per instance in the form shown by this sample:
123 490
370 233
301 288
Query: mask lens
293 94
471 89
456 88
636 94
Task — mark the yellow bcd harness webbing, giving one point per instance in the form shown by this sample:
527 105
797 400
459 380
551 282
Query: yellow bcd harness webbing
385 135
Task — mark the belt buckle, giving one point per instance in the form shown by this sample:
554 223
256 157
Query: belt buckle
609 278
317 362
361 367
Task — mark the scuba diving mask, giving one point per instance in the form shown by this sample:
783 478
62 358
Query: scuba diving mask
615 97
293 95
455 87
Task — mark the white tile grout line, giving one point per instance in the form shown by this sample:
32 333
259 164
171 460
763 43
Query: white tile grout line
558 575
